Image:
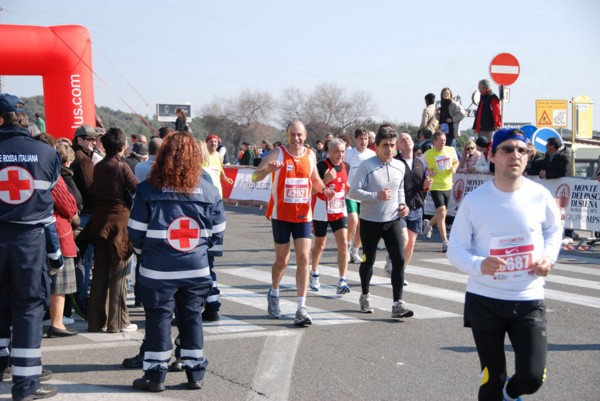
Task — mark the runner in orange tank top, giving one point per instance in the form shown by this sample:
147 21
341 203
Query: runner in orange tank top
293 173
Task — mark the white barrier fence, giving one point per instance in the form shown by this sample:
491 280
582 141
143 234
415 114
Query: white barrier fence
578 198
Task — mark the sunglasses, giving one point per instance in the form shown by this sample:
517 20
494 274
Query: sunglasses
510 149
469 148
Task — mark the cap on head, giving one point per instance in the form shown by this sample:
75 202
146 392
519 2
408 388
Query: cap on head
10 103
482 142
505 134
86 130
212 136
140 149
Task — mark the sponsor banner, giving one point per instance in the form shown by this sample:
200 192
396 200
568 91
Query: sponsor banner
243 189
578 198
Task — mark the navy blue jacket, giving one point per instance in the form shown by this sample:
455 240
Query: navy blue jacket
29 169
173 232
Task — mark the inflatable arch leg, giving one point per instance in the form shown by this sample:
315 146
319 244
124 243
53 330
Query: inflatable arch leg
62 55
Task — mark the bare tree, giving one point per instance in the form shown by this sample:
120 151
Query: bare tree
252 107
292 105
241 119
329 108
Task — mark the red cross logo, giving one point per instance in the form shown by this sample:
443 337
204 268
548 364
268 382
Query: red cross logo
184 234
16 185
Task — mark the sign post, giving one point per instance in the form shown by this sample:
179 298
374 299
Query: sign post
504 71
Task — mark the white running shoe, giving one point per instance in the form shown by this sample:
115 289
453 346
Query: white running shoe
401 311
342 288
302 319
427 229
365 303
314 283
354 258
273 306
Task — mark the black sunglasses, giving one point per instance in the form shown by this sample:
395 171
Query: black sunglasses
508 149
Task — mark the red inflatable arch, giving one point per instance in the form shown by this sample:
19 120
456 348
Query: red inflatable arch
62 55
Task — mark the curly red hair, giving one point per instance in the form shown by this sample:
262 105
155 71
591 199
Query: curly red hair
178 164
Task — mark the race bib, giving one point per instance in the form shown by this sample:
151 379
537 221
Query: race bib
517 251
443 162
337 203
296 190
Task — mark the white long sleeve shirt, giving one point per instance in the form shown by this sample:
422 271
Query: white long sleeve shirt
521 227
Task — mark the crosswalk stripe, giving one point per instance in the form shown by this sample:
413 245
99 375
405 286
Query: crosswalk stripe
288 308
558 266
229 325
563 296
421 312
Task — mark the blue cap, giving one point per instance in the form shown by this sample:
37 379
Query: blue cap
506 134
10 103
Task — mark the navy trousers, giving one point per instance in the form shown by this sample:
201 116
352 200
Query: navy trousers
25 289
159 305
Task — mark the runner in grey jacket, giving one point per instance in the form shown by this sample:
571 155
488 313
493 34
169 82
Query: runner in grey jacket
372 176
379 185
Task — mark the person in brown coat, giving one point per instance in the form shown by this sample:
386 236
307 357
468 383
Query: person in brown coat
107 231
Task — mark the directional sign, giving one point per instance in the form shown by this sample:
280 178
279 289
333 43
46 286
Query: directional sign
551 113
504 69
541 136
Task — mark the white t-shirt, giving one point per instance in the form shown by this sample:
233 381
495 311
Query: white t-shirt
353 157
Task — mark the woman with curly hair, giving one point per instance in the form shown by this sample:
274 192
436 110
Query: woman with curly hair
176 216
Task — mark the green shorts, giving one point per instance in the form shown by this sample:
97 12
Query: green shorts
352 206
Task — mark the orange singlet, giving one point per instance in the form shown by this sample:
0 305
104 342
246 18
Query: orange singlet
291 187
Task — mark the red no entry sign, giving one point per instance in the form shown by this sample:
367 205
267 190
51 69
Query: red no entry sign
504 69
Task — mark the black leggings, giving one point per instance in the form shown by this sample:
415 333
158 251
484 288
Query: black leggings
370 234
525 324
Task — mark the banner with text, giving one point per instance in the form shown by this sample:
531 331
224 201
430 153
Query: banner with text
578 198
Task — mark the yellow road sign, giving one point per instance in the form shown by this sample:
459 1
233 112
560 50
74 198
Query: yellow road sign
551 113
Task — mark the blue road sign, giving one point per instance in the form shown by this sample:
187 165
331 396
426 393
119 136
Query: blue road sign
529 129
541 136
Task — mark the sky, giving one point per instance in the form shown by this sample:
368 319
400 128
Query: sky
149 52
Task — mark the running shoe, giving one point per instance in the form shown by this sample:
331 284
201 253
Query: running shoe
365 303
273 306
354 258
342 287
302 319
388 266
444 246
400 310
314 283
427 229
504 395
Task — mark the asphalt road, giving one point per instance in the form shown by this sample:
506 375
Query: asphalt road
345 355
